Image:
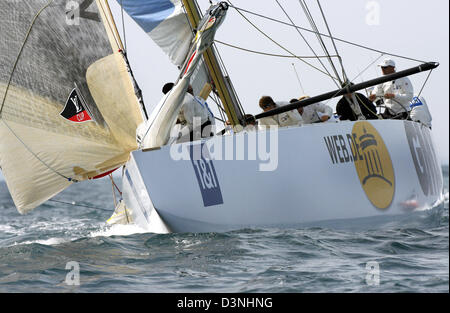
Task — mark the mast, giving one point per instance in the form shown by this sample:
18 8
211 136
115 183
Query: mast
223 86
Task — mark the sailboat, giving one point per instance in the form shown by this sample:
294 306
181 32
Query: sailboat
71 110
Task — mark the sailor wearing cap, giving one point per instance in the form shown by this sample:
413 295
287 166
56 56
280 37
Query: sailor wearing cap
396 94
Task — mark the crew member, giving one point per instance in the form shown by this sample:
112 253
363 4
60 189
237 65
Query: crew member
355 106
194 112
314 113
396 94
290 118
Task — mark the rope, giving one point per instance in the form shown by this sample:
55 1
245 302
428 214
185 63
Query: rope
114 184
368 109
20 53
79 205
278 44
328 36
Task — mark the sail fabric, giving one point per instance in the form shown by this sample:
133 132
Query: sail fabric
165 22
52 131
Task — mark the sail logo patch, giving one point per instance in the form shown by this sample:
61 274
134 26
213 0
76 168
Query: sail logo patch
75 109
375 171
424 157
365 148
206 175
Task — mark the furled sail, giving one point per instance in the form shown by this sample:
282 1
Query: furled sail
159 125
68 111
165 22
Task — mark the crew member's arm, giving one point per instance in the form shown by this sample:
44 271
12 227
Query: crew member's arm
326 110
405 92
376 92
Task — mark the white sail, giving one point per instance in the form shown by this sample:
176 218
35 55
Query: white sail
67 106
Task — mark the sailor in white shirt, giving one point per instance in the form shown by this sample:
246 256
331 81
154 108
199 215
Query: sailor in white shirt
195 107
315 113
290 118
396 94
195 119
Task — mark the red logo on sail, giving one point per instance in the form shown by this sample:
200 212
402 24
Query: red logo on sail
75 110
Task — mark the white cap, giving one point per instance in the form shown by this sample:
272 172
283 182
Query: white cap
387 62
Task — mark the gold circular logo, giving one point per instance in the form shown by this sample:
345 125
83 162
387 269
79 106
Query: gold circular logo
374 165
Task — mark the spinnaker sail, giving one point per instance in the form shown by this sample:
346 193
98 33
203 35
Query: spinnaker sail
56 57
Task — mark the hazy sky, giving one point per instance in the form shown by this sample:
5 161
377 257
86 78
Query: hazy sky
413 28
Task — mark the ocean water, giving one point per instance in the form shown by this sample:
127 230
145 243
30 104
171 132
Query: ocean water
42 251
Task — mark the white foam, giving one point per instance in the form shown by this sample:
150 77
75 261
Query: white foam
46 242
118 230
9 229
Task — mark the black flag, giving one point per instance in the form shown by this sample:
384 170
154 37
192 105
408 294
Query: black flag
75 110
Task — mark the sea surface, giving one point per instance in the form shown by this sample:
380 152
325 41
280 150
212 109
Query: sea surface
44 250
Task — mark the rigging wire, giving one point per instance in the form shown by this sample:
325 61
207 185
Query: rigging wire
273 54
424 84
304 39
238 9
298 78
348 82
319 38
227 79
277 43
344 74
369 66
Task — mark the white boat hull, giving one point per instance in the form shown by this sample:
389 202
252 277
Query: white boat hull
322 172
